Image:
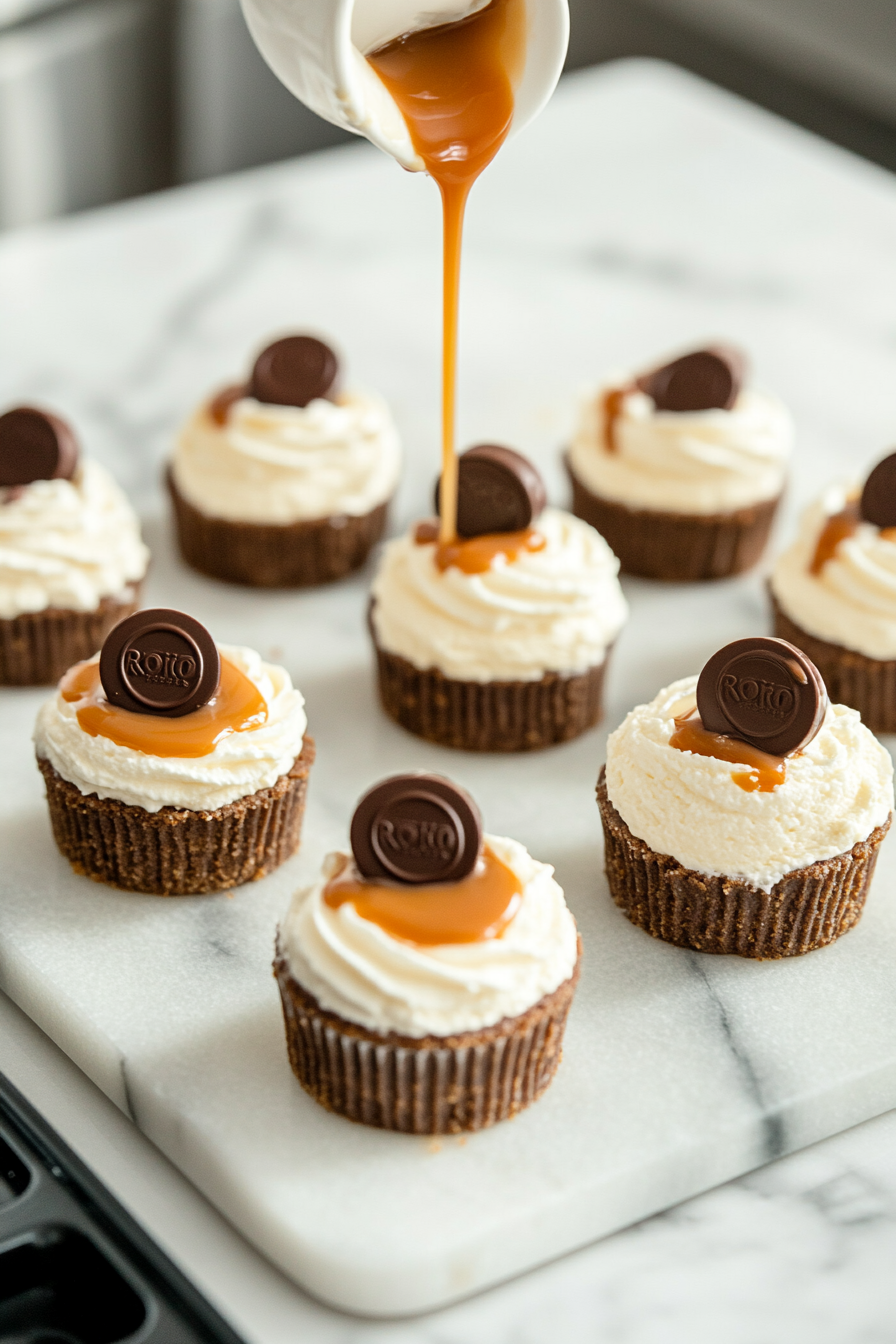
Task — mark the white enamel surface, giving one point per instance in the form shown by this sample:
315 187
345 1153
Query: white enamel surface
317 47
679 1071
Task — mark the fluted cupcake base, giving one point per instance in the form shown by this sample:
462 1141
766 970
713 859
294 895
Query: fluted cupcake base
808 908
430 1085
38 647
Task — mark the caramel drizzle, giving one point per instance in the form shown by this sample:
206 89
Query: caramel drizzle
612 404
839 527
473 910
475 555
236 707
220 406
765 772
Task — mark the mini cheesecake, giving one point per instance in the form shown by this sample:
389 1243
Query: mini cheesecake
427 976
171 766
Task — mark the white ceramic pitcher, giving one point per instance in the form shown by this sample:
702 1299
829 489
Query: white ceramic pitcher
317 47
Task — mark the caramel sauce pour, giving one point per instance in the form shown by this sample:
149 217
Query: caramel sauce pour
764 773
477 908
474 555
454 86
236 706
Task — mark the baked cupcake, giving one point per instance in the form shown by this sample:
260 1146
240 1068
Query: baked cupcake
742 811
171 766
71 557
682 468
497 641
284 481
426 978
834 594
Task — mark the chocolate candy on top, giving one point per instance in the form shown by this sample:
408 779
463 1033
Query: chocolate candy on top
35 446
702 381
763 691
416 828
294 371
878 502
498 490
160 661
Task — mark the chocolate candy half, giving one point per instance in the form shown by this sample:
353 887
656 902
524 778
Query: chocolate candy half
160 661
293 371
416 828
35 446
702 381
878 502
498 490
763 691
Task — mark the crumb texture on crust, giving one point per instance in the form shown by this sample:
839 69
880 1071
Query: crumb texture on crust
806 909
177 852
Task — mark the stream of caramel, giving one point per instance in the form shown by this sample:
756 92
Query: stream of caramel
454 85
764 772
476 908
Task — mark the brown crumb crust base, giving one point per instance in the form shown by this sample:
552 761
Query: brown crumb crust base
491 715
178 852
295 555
808 908
866 684
677 547
430 1085
38 647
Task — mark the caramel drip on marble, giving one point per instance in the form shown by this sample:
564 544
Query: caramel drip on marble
477 908
236 707
839 527
764 771
474 555
454 87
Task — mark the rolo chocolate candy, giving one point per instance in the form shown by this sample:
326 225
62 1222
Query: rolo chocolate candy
160 661
498 490
705 380
763 691
416 828
35 446
878 503
293 371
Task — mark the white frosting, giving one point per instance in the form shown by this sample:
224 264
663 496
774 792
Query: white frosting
836 791
240 764
286 464
684 461
68 544
356 969
558 609
852 601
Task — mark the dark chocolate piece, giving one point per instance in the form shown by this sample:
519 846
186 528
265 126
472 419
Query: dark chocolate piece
498 490
878 503
702 381
160 661
763 691
35 446
416 828
293 371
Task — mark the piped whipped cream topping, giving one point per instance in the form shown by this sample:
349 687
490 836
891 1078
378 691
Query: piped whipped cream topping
683 461
239 765
837 790
356 969
68 544
288 464
852 600
557 609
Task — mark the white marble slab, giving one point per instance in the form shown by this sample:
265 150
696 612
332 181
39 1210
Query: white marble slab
634 216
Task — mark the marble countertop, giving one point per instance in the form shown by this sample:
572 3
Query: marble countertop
642 211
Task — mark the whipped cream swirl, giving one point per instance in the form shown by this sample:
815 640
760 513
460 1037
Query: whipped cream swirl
696 462
836 791
852 601
240 764
356 969
68 544
558 609
288 464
